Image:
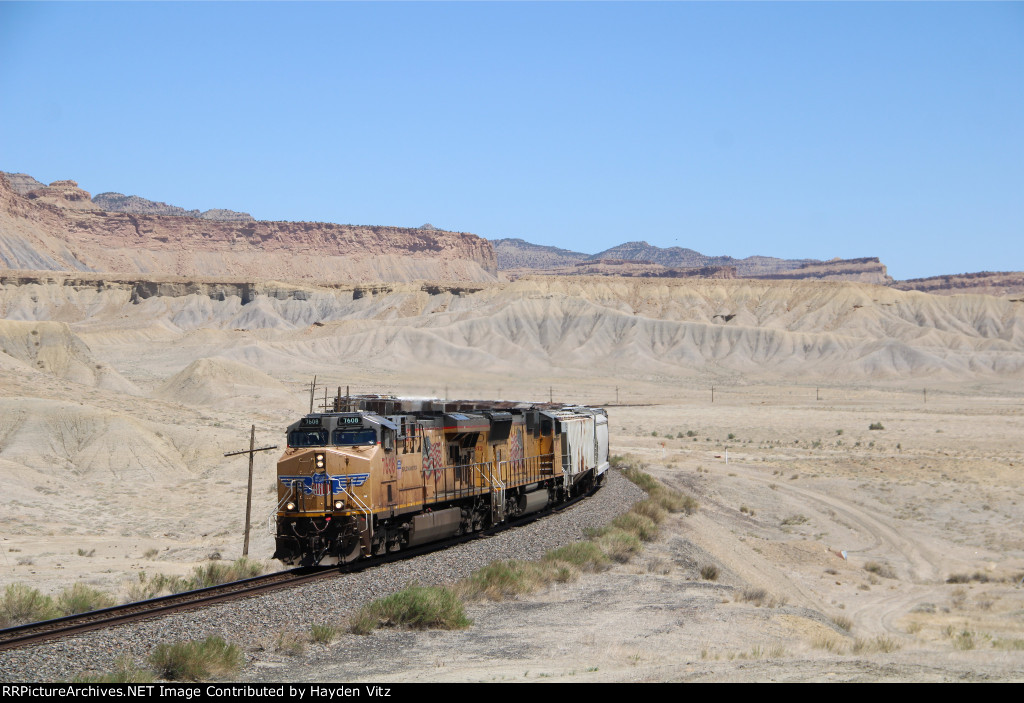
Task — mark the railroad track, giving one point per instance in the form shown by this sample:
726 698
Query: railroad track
34 633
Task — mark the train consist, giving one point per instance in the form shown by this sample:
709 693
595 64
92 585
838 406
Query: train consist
378 473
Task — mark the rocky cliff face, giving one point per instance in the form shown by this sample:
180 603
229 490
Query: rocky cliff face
997 283
865 270
22 183
118 202
58 228
63 194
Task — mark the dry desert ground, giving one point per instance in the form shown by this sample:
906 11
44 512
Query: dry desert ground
116 413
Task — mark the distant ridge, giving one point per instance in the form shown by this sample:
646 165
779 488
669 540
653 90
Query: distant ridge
639 259
518 253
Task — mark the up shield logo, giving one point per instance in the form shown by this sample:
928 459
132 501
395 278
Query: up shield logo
318 483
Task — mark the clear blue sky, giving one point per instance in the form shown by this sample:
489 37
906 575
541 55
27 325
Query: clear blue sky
791 129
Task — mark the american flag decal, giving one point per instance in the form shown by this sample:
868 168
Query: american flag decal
515 450
432 459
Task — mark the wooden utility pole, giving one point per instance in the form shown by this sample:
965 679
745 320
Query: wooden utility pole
248 497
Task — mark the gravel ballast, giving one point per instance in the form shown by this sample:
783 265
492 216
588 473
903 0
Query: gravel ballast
256 623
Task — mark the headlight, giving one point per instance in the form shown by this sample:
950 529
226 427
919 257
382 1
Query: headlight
338 504
320 461
289 506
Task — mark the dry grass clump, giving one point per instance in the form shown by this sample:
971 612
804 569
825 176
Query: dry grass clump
883 570
290 643
213 573
842 622
760 597
619 545
757 596
196 661
650 509
125 671
415 606
323 634
829 644
145 587
709 572
878 644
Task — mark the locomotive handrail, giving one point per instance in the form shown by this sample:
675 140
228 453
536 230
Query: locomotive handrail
271 518
525 470
364 508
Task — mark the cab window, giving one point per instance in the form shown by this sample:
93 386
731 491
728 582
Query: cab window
348 438
307 438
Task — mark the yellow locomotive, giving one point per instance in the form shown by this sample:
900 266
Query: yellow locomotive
378 473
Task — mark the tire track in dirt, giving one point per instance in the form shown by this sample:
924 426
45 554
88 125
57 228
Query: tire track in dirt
879 611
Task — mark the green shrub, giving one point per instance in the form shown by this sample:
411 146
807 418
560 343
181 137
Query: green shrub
415 606
672 501
323 634
22 604
639 525
709 572
876 426
195 661
650 509
81 598
583 555
501 579
215 573
619 545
